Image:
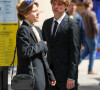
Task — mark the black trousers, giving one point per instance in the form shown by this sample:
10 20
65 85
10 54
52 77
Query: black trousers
62 86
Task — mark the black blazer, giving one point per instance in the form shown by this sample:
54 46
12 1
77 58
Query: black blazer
29 49
63 55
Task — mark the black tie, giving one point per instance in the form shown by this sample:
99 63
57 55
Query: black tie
54 29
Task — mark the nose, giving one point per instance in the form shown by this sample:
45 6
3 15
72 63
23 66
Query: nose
38 13
55 6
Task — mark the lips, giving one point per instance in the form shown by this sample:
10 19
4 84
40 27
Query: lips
55 10
37 17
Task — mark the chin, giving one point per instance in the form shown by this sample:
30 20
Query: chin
37 20
56 12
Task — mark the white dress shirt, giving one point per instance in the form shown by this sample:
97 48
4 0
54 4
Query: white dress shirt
59 21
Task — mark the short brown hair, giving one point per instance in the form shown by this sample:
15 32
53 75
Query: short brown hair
66 2
24 9
86 3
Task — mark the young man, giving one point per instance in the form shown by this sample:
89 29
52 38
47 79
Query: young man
62 35
74 15
90 23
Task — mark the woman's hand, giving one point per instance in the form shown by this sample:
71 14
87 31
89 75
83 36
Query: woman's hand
52 83
45 42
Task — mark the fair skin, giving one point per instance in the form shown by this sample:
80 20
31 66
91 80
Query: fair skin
34 17
90 5
58 9
52 83
72 8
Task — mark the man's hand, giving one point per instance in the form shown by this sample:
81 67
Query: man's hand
70 84
52 83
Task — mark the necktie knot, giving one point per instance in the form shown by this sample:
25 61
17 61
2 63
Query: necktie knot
56 23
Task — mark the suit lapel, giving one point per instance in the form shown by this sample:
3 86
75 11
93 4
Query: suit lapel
33 36
40 34
61 27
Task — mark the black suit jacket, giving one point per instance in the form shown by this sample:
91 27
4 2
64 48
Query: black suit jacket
63 55
29 49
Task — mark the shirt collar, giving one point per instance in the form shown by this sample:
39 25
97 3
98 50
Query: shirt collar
31 25
60 19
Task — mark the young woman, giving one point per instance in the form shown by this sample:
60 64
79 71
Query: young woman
29 48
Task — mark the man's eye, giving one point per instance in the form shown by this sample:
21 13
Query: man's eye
60 4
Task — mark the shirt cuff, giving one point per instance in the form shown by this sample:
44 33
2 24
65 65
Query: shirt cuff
70 79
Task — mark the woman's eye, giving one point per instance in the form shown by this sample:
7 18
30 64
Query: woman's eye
35 10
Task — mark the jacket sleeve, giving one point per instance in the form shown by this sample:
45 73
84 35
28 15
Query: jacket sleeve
24 47
94 22
75 42
49 72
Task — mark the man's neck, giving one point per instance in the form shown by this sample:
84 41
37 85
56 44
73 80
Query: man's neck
58 16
